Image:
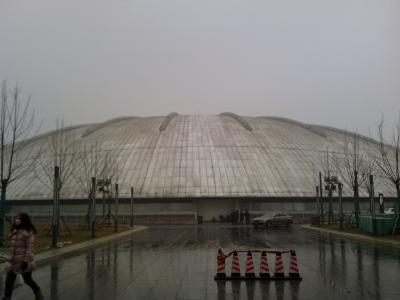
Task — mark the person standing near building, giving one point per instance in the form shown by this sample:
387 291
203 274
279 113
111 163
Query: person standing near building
241 217
247 215
233 217
237 217
21 259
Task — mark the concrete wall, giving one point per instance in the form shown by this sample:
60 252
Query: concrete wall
211 208
186 211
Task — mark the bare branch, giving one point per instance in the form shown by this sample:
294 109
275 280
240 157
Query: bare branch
61 153
16 125
389 163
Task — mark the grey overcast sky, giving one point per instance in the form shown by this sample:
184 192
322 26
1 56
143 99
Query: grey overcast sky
331 62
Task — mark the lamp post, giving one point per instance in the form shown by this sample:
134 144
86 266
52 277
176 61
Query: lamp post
381 205
93 210
321 200
317 197
116 209
372 195
340 188
330 186
131 207
103 185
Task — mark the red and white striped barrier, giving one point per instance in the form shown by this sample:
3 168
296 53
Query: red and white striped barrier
279 266
264 271
235 266
220 265
264 268
294 268
249 266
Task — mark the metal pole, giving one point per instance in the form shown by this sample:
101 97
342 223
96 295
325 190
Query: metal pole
317 197
131 207
330 213
56 209
381 205
321 200
109 196
93 210
372 202
116 209
104 202
340 187
372 194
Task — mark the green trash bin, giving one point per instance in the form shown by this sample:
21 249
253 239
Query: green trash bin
379 225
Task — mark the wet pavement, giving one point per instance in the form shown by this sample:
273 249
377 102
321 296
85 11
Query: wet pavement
179 262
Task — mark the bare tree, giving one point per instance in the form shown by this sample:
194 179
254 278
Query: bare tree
354 160
389 162
330 180
354 168
369 166
61 153
109 174
95 161
16 158
88 166
55 167
87 160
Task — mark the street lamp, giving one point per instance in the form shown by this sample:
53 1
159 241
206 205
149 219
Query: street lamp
381 203
330 186
132 193
103 185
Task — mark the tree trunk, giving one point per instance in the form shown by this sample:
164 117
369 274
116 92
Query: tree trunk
356 199
56 209
104 204
398 198
397 208
88 212
3 212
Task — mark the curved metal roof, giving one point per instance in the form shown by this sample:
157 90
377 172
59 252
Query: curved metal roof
222 155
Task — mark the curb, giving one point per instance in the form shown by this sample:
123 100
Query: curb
55 254
353 236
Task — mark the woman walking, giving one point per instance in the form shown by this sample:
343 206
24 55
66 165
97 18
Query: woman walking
21 260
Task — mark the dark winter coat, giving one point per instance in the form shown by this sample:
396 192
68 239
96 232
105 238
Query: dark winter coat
21 250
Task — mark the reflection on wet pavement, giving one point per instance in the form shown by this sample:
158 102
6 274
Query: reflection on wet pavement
179 262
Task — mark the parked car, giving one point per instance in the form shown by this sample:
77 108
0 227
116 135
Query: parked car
272 219
389 211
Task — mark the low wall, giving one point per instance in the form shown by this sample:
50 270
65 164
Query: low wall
145 219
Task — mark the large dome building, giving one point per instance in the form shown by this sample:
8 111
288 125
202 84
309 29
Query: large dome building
188 166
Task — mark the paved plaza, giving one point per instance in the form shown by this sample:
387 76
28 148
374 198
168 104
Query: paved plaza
179 262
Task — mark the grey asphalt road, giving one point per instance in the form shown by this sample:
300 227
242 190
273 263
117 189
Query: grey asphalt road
179 262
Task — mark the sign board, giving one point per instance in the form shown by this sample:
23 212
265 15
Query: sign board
103 182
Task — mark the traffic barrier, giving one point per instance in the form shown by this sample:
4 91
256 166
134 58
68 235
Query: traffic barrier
279 266
235 273
294 269
264 269
249 266
220 265
264 272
